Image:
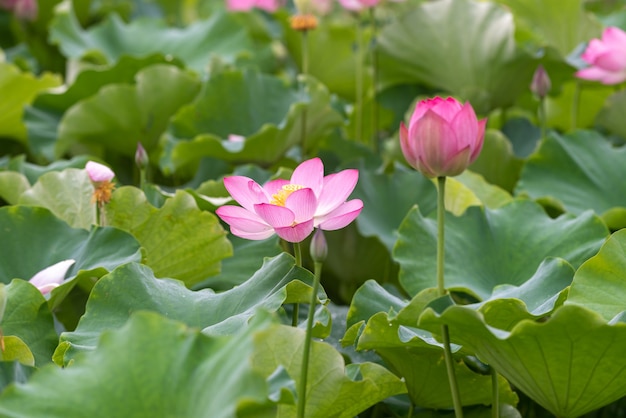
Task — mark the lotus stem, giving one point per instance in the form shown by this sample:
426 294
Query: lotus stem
575 106
358 76
542 117
447 351
374 58
317 272
295 314
304 71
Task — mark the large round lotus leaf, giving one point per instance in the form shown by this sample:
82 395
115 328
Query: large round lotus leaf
582 171
33 239
221 36
133 287
43 116
570 364
599 283
430 44
562 25
26 305
180 241
152 366
18 89
485 248
262 108
333 390
497 161
67 194
12 185
120 115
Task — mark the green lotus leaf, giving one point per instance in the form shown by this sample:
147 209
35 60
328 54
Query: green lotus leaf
43 116
133 287
471 189
333 390
477 37
34 171
388 197
599 282
590 98
18 89
221 36
582 171
12 185
497 162
560 25
120 115
260 107
33 239
67 194
14 349
152 365
570 364
26 305
611 114
180 240
13 372
485 248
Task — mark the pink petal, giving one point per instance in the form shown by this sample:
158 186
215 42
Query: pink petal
340 217
276 216
353 5
303 204
457 164
436 143
465 127
594 48
255 236
51 277
611 61
614 38
407 145
239 5
297 232
273 186
309 173
598 74
337 188
242 219
245 191
480 140
98 172
268 5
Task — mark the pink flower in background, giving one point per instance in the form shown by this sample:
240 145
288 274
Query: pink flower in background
607 57
357 5
51 277
291 208
541 84
443 137
98 172
23 9
322 7
245 5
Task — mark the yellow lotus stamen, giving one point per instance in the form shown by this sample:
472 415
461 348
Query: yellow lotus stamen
102 192
303 22
279 198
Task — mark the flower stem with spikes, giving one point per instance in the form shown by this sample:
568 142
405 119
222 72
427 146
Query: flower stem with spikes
441 290
317 272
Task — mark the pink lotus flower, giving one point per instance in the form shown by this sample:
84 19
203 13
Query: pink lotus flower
541 84
245 5
443 137
51 277
98 172
291 208
357 5
607 58
23 9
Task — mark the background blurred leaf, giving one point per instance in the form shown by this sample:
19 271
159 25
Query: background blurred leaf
474 56
151 365
180 240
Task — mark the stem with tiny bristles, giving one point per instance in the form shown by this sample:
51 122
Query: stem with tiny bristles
441 290
297 252
317 272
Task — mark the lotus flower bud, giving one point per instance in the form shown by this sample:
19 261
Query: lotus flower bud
51 277
319 248
141 157
540 86
443 137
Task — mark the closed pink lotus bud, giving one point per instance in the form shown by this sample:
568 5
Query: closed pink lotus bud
541 84
319 248
607 58
443 137
98 172
141 156
26 9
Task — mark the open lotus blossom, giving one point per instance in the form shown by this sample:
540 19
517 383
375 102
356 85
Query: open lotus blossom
443 138
101 177
607 57
245 5
51 277
291 208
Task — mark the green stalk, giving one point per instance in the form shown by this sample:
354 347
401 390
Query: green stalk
542 117
317 272
304 71
297 252
441 289
575 105
358 76
374 58
495 395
